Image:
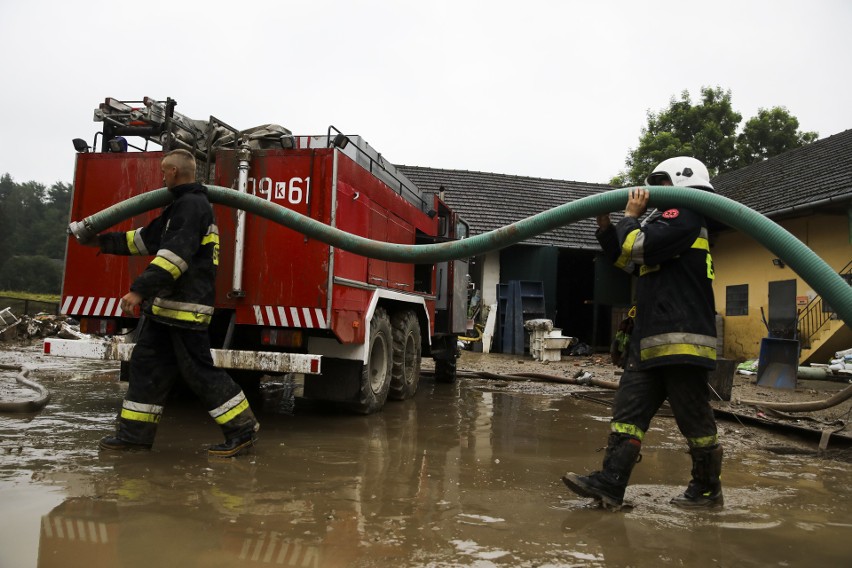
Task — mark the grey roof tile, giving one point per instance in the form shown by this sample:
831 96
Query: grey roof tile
800 177
489 201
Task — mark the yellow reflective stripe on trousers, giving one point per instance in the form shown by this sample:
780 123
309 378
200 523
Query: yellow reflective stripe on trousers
703 442
142 407
141 412
128 414
231 414
629 429
627 249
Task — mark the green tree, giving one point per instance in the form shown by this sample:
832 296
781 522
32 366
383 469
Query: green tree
30 205
768 134
8 216
54 220
707 130
33 238
32 274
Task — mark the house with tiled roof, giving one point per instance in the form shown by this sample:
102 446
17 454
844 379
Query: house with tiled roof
808 191
563 260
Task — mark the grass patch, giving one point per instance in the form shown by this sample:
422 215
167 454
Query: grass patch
50 298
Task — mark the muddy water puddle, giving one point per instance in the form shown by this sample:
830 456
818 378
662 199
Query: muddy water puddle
462 475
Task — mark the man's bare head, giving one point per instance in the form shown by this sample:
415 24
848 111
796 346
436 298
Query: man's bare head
178 167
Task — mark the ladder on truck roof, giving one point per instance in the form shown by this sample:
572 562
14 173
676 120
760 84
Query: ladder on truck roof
158 122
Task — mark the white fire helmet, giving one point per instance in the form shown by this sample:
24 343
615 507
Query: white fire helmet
682 171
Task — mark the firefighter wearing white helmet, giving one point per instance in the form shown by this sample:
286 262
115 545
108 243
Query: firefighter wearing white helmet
673 344
682 171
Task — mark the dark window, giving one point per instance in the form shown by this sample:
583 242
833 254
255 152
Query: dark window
736 300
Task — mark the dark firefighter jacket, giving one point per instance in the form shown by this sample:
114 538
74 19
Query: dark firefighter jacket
178 286
675 320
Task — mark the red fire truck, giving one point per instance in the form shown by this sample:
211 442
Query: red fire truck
352 327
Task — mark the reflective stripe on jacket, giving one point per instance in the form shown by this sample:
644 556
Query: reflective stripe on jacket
675 309
179 283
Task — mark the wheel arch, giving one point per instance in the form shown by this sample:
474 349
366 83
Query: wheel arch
391 301
395 301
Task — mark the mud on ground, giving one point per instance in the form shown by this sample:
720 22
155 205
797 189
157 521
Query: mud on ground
740 425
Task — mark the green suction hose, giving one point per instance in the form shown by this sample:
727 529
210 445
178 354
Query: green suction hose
785 246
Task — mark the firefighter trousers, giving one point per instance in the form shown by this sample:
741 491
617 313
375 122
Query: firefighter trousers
164 353
641 393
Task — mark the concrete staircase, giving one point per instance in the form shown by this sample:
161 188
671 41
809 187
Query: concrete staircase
833 336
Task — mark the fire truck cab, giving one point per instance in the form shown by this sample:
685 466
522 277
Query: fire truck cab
354 328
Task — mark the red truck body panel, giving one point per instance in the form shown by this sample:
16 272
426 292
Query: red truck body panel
287 277
93 282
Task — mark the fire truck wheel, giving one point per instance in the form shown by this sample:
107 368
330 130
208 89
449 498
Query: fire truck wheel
376 374
405 375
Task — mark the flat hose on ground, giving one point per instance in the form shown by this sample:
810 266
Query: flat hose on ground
779 241
842 396
33 405
541 377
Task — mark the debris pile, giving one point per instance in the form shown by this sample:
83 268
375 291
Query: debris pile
37 326
842 361
838 368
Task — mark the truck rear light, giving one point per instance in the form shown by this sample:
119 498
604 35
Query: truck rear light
98 326
281 337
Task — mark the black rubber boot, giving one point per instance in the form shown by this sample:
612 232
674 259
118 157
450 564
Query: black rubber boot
705 488
240 435
116 444
607 486
130 435
232 447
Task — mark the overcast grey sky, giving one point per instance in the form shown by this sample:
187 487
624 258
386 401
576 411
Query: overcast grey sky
536 88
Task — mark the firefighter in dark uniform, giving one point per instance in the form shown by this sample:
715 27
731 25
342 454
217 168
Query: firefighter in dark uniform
176 292
673 343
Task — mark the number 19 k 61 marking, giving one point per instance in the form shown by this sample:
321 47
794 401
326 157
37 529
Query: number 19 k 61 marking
295 191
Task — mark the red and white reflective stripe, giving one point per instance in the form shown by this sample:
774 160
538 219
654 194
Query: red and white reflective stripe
91 306
289 316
